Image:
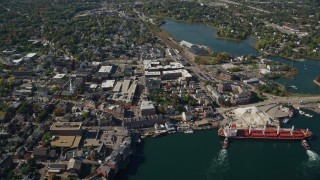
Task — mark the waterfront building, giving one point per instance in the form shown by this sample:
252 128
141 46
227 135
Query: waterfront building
147 108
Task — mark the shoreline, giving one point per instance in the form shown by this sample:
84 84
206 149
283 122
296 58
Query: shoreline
239 40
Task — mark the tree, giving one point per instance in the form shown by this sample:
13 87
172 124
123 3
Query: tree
25 108
31 162
46 139
42 116
2 81
11 81
58 112
85 114
52 176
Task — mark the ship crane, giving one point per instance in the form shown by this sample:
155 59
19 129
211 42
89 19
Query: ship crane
292 130
264 129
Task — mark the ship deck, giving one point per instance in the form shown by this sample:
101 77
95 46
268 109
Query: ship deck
270 134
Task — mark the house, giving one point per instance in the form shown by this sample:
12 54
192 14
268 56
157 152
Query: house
169 126
215 94
264 72
277 67
74 165
187 116
40 154
56 168
228 76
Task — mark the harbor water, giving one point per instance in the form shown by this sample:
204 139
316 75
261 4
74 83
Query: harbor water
200 156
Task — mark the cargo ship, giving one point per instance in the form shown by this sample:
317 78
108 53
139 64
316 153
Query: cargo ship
231 131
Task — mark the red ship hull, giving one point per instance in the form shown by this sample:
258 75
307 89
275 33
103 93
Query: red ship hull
269 134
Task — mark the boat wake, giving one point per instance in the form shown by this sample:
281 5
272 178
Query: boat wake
219 164
313 156
311 167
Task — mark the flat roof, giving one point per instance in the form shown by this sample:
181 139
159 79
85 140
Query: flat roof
202 122
59 76
16 61
117 87
93 86
66 141
125 86
147 105
152 73
105 69
30 55
66 126
108 84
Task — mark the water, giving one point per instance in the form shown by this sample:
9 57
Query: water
307 71
200 156
205 35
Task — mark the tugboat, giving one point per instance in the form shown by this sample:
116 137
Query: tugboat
225 144
305 144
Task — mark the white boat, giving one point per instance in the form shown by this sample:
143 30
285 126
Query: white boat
286 120
301 112
294 87
309 115
189 131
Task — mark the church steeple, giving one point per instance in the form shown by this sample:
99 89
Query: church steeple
71 89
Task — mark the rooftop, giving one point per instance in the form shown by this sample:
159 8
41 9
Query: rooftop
147 105
105 69
30 55
108 84
66 141
59 76
66 126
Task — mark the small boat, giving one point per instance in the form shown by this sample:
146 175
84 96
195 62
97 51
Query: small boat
189 131
286 120
225 144
294 87
309 115
305 144
301 112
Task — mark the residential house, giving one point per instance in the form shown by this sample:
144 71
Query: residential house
40 154
74 165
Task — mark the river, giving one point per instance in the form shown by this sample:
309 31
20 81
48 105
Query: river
204 35
199 156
